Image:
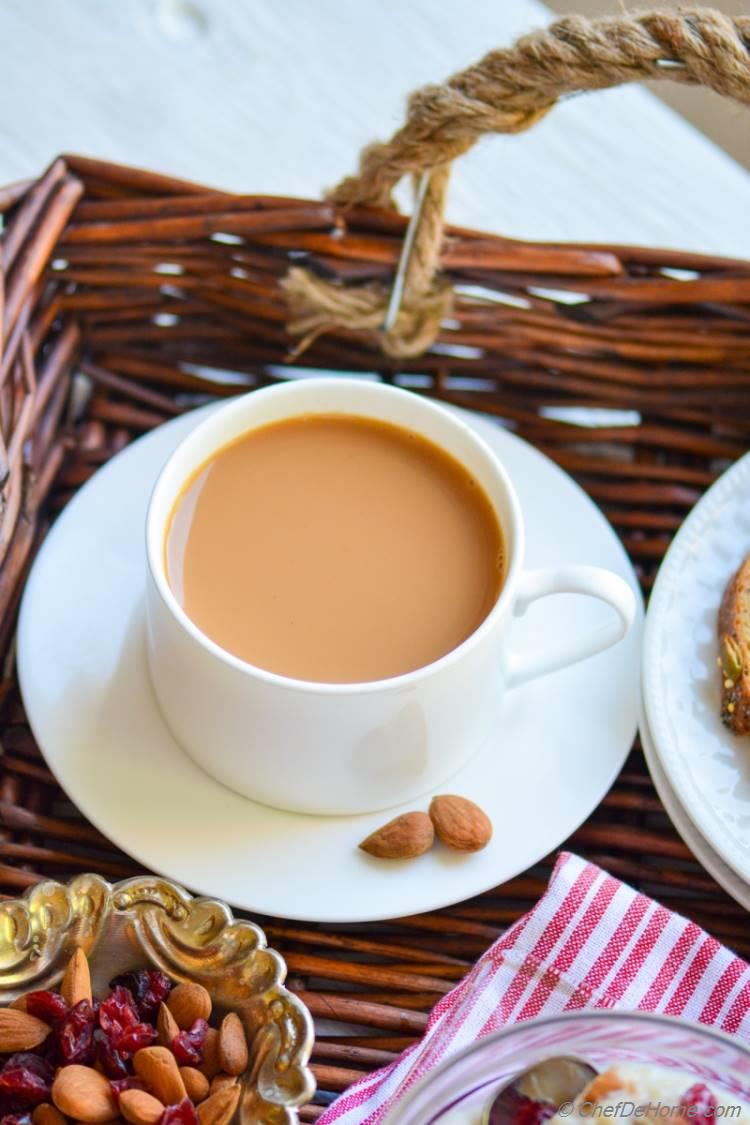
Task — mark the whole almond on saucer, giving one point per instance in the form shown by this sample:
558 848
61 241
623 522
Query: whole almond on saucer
196 1083
158 1068
233 1053
19 1031
405 837
76 984
140 1108
84 1094
220 1107
460 824
189 1002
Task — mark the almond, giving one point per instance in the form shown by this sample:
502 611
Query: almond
158 1068
460 824
210 1065
19 1031
219 1108
140 1108
85 1094
233 1053
166 1026
19 1003
405 837
196 1083
46 1114
76 984
188 1003
220 1081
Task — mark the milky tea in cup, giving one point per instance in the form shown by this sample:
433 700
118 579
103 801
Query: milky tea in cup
334 548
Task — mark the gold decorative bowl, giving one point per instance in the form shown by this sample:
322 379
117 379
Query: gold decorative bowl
149 922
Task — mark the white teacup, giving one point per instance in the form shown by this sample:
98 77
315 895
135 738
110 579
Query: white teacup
352 748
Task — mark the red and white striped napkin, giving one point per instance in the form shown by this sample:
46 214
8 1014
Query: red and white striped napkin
590 942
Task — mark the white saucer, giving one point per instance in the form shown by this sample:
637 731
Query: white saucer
83 676
701 849
706 765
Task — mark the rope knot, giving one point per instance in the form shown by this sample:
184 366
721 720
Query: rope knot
317 306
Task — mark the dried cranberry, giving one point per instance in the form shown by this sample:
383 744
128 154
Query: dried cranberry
119 1085
35 1063
73 1038
699 1105
16 1119
532 1112
187 1046
113 1063
149 988
46 1005
181 1114
118 1019
135 1038
159 988
118 1010
21 1087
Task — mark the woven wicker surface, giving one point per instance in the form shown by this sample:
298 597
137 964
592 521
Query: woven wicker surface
126 292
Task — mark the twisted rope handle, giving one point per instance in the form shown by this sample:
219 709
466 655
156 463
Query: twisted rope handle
508 91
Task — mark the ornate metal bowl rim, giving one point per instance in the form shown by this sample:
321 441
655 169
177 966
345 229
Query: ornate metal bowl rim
190 938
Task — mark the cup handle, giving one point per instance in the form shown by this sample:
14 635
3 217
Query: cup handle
589 580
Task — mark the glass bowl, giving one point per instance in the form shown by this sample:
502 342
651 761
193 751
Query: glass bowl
459 1091
148 922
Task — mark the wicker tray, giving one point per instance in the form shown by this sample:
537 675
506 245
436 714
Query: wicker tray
126 295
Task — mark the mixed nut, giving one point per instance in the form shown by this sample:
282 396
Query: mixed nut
456 821
145 1054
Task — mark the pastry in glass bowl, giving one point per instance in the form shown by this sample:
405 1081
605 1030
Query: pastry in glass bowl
650 1092
636 1067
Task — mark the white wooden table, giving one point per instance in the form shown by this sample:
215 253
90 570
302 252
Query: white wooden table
278 96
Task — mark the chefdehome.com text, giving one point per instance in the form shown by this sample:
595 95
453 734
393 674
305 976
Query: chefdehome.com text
650 1111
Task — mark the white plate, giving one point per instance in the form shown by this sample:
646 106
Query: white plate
89 701
708 768
701 849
